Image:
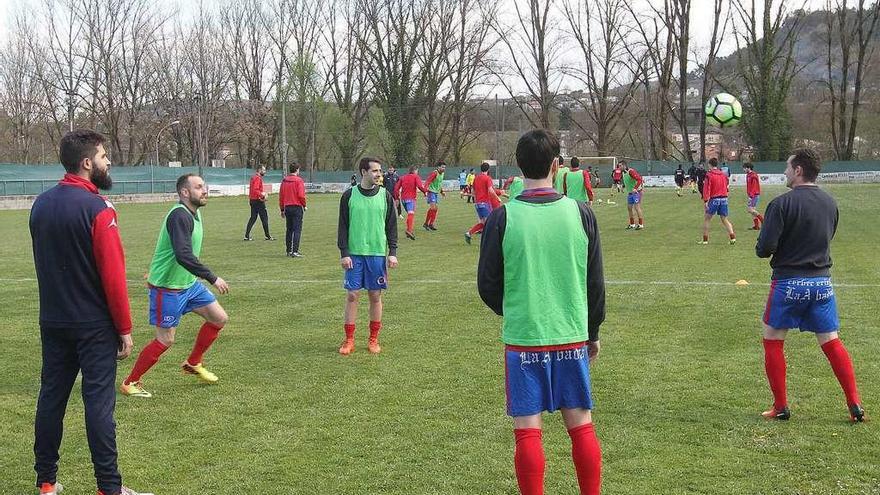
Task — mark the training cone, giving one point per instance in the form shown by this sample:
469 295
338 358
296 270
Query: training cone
742 282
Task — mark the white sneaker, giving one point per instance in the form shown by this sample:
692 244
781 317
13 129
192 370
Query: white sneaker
128 491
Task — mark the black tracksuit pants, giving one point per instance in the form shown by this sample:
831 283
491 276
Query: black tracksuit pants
258 208
294 217
66 352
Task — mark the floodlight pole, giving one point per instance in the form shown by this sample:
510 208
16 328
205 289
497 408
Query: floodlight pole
157 151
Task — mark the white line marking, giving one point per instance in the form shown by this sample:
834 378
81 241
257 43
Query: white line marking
334 281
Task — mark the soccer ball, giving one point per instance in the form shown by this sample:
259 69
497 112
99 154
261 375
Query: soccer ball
723 110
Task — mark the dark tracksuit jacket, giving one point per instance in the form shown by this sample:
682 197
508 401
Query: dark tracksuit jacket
80 266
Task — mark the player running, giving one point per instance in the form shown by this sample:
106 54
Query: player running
407 189
753 190
679 180
367 232
176 291
485 200
715 193
549 340
434 183
633 184
797 237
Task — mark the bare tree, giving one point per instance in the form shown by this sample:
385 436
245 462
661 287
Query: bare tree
439 40
855 30
347 79
719 27
21 95
605 68
392 43
767 66
531 49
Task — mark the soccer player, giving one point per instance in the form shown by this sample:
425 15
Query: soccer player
292 201
407 189
701 176
485 200
753 190
176 291
462 181
469 190
257 197
633 184
796 236
367 232
389 181
617 178
692 178
715 192
553 302
559 178
679 180
85 319
577 184
434 184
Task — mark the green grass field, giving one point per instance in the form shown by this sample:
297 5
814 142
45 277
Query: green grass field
678 386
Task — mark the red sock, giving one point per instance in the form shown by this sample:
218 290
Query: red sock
587 456
756 222
434 216
732 235
478 227
207 335
410 218
528 460
632 221
705 238
148 357
641 221
429 217
761 218
843 369
375 326
349 331
774 366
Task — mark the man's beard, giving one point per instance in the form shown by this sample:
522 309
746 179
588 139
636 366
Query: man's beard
101 178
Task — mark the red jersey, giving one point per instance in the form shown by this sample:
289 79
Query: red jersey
408 186
293 192
715 185
753 184
484 190
256 190
617 174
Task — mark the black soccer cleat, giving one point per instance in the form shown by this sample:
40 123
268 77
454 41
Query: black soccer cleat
409 235
425 226
857 413
781 414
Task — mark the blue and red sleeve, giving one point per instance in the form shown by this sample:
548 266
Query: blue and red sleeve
110 260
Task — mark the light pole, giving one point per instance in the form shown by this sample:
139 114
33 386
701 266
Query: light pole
157 151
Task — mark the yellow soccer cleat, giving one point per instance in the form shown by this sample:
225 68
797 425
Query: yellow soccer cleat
134 389
200 371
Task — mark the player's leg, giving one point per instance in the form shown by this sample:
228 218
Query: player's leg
775 368
638 211
410 205
707 219
585 450
351 307
528 454
375 320
59 370
264 219
252 220
823 320
215 319
729 227
165 313
298 213
288 232
97 357
630 207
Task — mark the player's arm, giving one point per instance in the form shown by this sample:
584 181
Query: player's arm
490 268
342 228
397 187
595 274
421 185
281 196
299 187
771 231
639 181
707 190
110 260
588 185
180 228
390 224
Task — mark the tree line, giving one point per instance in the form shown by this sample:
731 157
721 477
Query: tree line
323 82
